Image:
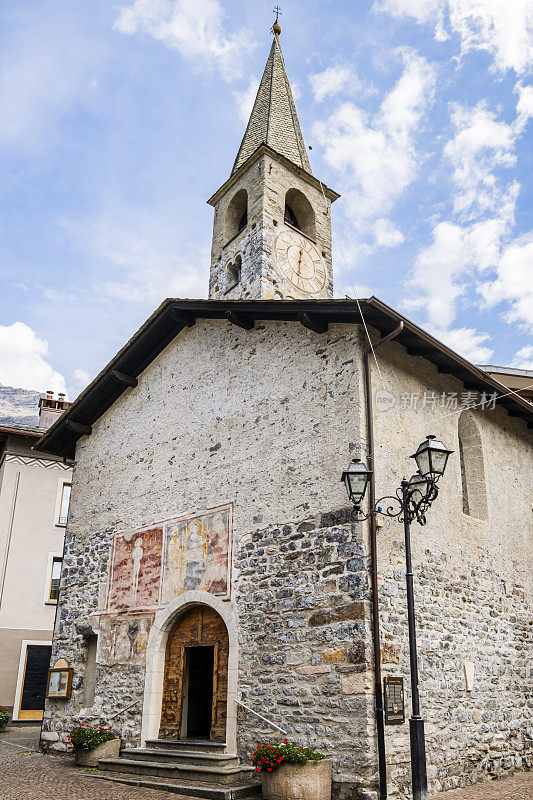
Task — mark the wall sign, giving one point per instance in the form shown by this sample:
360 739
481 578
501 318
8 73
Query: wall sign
394 701
59 685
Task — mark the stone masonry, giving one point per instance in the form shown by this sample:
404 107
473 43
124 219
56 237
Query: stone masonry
267 181
271 430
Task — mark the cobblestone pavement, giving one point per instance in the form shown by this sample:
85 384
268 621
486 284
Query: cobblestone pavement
29 775
520 787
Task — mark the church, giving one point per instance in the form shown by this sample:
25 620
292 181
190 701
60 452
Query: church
216 588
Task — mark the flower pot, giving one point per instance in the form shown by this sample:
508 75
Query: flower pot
89 758
311 781
3 724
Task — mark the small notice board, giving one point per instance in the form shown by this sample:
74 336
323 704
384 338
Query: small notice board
394 701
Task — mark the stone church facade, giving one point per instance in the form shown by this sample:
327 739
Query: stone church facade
210 552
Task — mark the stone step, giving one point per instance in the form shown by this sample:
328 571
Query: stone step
187 744
176 756
245 791
186 772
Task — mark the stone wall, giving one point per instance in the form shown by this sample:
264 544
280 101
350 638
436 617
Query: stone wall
268 419
303 600
472 584
191 435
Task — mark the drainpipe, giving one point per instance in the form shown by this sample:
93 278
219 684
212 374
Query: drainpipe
380 719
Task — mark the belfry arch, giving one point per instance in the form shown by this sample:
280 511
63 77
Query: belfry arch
299 213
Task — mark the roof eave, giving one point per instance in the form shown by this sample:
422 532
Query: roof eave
174 314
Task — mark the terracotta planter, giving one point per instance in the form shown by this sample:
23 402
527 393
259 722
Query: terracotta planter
89 758
311 781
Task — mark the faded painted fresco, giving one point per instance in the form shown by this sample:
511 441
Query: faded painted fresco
136 570
151 566
123 640
198 554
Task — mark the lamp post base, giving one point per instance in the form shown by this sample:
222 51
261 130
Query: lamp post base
418 758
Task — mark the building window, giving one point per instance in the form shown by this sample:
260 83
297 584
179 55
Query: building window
474 491
55 576
64 502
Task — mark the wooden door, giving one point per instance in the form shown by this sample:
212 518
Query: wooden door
199 627
34 680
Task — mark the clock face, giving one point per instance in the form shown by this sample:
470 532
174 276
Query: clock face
299 262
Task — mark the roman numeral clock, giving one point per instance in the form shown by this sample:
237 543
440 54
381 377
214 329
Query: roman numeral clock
299 264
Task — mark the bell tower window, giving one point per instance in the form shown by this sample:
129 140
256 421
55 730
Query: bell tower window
299 213
233 274
237 214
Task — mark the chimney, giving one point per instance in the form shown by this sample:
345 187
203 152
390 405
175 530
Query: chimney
50 409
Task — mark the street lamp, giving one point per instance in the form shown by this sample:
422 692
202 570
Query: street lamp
411 501
431 457
356 479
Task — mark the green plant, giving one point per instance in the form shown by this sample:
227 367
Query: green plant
5 715
268 757
87 738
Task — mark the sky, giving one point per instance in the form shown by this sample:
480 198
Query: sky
119 120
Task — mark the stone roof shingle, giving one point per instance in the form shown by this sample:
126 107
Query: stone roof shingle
274 120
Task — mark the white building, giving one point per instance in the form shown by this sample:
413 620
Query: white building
34 500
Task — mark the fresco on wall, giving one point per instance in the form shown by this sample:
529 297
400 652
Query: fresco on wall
123 640
151 566
197 554
135 570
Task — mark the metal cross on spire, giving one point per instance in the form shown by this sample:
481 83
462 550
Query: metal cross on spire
276 27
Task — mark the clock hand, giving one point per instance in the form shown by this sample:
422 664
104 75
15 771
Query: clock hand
299 261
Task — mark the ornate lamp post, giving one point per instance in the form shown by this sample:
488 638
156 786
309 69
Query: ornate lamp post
411 501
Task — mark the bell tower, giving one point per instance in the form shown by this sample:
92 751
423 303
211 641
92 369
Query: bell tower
272 226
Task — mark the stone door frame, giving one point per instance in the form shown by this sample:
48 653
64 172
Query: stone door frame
155 662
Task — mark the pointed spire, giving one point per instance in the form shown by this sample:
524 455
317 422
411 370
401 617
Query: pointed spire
273 120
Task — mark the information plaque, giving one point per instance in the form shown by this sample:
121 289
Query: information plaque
394 703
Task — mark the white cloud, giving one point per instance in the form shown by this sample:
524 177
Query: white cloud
387 234
245 99
442 270
481 144
81 378
524 106
514 282
502 28
338 78
22 360
142 255
523 358
192 27
468 342
376 154
476 241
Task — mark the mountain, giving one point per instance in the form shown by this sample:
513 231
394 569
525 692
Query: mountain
18 406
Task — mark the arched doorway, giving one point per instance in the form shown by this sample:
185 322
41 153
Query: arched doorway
195 683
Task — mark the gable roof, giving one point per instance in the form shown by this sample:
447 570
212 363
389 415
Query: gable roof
174 315
274 120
